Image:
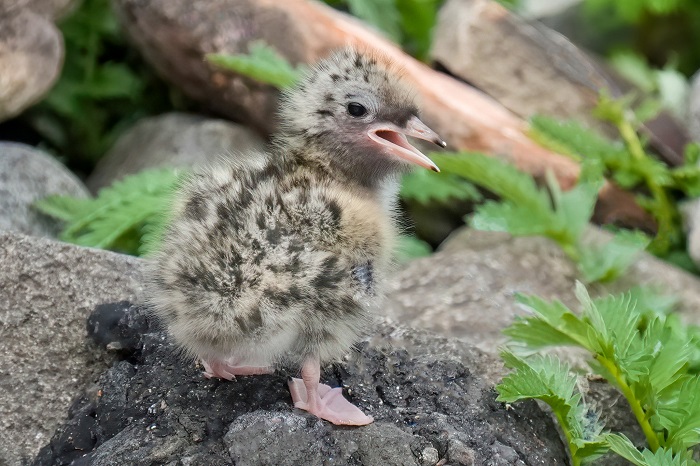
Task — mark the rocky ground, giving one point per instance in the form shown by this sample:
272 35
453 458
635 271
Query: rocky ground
86 377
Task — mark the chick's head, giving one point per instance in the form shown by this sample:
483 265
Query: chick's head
355 112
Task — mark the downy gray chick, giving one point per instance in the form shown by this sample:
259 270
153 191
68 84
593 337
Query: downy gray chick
283 261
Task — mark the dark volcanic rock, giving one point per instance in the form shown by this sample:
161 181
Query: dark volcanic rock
426 396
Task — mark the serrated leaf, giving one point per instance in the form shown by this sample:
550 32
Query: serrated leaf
680 415
425 186
545 378
514 219
552 324
495 175
262 63
119 213
621 445
574 138
609 261
64 208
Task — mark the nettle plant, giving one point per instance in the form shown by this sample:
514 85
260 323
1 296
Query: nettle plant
647 354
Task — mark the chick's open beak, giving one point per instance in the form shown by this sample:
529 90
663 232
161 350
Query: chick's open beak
393 139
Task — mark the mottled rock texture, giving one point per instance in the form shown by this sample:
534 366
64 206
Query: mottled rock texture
47 290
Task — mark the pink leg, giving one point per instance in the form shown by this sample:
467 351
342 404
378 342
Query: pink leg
226 370
323 401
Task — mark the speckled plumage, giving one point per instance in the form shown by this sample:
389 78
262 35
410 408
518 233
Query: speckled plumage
284 259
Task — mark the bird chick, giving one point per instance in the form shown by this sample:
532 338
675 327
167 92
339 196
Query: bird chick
283 260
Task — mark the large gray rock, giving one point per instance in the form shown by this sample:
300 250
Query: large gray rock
27 175
31 57
47 290
467 289
426 394
172 140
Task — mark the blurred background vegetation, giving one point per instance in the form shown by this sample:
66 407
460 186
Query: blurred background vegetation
106 87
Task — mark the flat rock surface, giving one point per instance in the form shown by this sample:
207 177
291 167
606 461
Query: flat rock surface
425 393
173 140
31 57
47 290
27 175
467 290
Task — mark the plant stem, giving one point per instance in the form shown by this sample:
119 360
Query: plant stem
575 461
639 414
665 209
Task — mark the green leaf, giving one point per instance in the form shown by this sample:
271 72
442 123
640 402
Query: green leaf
262 63
680 415
64 207
635 69
411 247
552 324
574 138
418 17
425 186
382 14
120 215
545 378
609 261
624 447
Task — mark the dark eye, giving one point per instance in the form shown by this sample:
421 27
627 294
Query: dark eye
356 110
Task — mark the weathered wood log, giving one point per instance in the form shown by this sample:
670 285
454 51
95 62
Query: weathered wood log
174 36
528 69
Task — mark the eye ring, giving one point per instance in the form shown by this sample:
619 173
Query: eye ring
356 110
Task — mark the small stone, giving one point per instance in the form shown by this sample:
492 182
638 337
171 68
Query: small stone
429 457
459 454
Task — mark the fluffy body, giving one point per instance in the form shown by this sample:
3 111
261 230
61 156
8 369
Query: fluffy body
271 263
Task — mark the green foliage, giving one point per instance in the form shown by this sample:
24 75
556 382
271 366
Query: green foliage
645 353
526 210
103 88
545 378
664 31
621 445
262 63
630 165
128 216
427 186
409 23
410 247
667 85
